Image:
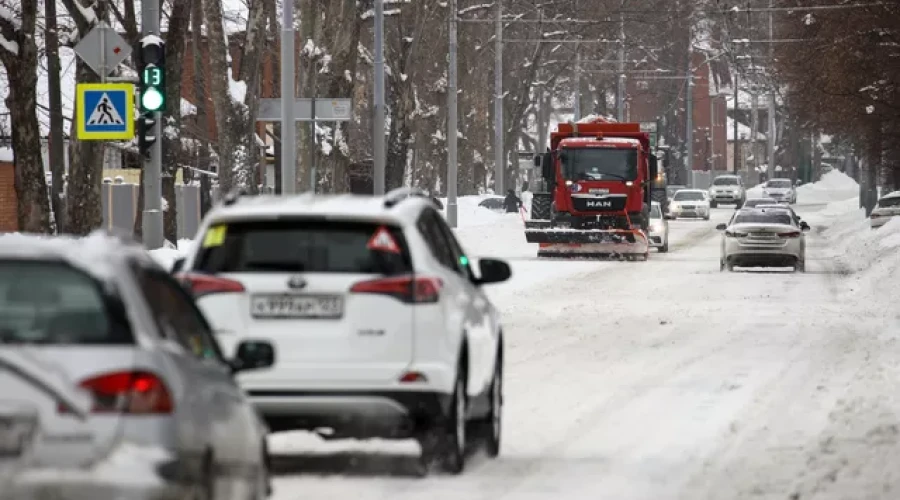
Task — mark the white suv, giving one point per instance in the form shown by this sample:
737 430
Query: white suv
727 189
381 326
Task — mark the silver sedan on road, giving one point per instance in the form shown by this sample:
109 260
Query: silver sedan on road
763 237
113 385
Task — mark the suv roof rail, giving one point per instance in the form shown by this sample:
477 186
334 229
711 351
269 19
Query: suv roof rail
395 196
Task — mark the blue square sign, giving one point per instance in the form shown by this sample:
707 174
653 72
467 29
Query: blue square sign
105 111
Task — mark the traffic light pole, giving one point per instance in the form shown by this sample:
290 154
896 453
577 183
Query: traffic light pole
152 217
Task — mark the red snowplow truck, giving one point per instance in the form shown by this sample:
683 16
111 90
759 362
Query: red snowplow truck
596 202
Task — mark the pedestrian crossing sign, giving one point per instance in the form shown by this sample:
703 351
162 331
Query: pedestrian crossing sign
105 111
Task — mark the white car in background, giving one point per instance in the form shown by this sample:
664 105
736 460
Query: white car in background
728 189
382 325
763 237
659 229
692 203
888 207
781 190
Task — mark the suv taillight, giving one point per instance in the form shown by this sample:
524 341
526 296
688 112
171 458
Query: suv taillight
792 234
201 285
409 289
137 393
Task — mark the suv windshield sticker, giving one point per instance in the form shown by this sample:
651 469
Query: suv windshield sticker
215 236
383 241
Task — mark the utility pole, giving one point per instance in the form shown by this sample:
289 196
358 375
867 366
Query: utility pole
152 217
577 82
754 127
620 81
772 135
577 74
378 125
288 123
736 143
499 163
452 135
689 132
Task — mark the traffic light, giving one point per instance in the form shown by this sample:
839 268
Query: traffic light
152 68
152 71
146 132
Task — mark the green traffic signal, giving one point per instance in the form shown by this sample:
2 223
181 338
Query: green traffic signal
152 99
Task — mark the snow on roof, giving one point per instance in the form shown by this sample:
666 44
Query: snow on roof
593 117
96 253
744 132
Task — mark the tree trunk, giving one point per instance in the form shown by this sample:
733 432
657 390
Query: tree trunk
86 158
249 73
56 150
172 151
33 207
341 29
220 74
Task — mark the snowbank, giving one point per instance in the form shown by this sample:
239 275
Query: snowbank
833 186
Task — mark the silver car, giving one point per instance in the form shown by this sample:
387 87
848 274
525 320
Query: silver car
141 404
888 208
781 190
763 237
659 229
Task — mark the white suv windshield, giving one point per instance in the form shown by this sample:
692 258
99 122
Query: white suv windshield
300 245
780 183
725 181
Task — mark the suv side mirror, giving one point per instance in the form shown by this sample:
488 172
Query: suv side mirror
253 355
804 226
177 265
493 271
721 227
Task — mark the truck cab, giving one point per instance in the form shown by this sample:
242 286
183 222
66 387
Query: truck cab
598 176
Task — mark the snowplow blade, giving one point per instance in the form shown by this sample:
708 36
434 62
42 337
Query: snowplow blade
536 224
590 243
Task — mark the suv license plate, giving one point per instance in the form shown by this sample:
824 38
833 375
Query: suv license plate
297 306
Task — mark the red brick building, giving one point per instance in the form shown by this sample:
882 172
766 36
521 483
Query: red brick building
8 199
646 103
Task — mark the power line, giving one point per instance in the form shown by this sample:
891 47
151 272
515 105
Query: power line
809 7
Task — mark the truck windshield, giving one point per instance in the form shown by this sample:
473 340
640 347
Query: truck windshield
595 164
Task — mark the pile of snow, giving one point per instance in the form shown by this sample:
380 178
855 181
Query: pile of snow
468 213
834 186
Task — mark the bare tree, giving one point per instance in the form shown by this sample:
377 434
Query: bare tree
86 158
18 53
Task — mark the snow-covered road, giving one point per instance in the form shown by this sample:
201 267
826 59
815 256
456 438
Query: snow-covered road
661 379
